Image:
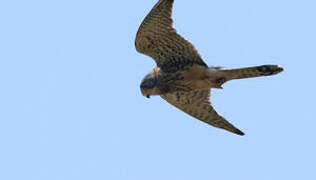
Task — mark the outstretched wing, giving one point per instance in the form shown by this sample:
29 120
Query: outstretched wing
197 104
157 38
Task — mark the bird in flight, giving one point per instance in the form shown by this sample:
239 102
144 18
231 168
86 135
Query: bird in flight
181 77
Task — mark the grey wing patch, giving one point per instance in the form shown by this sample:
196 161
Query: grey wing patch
157 38
197 104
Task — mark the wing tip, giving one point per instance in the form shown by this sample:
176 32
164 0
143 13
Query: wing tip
160 1
238 132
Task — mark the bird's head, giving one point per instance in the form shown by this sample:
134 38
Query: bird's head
148 85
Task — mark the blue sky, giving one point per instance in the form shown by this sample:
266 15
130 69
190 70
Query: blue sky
71 107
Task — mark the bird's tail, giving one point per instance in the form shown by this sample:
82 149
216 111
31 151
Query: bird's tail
249 72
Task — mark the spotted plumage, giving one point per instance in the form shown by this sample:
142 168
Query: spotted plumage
181 77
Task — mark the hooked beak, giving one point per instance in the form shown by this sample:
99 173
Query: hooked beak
148 96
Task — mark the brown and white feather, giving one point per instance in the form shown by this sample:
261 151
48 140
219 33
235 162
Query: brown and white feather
197 104
157 38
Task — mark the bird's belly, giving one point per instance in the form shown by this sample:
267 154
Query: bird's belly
197 78
193 79
202 84
186 85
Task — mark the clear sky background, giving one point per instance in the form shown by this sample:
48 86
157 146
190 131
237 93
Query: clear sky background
71 107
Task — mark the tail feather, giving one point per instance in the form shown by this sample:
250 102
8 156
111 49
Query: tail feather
249 72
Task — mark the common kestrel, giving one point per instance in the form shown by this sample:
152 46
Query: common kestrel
181 77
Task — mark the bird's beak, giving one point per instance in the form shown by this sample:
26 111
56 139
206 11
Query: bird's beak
148 96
